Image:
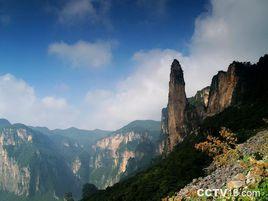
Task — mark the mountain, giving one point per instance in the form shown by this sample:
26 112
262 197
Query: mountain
242 83
30 165
37 163
124 152
177 104
236 99
75 147
4 122
83 137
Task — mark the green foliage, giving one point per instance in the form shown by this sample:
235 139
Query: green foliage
88 190
42 159
142 126
178 169
263 188
242 120
185 162
68 196
6 196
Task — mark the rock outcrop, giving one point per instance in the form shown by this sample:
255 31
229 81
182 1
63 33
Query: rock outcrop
221 91
13 177
182 115
244 170
124 152
30 165
243 82
177 103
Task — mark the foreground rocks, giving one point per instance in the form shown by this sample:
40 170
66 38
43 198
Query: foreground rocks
246 169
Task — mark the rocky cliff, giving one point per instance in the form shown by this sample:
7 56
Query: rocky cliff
34 164
182 114
242 82
124 152
31 166
177 103
13 178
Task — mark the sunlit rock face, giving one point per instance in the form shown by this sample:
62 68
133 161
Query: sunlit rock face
241 83
222 90
13 178
124 152
76 165
177 103
30 164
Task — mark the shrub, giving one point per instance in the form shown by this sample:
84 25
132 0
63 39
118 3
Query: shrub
215 146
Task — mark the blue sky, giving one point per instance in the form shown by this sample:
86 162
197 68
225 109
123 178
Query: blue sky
131 25
104 63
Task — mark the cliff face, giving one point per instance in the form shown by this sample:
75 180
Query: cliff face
34 165
111 158
182 115
177 104
243 82
124 152
222 90
30 165
13 178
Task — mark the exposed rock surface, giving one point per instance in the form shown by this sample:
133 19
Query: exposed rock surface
30 165
182 115
177 103
246 173
243 82
123 152
13 178
201 97
222 89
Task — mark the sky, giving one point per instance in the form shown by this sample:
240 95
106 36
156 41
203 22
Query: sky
104 63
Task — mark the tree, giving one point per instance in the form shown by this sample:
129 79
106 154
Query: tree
216 147
88 190
68 196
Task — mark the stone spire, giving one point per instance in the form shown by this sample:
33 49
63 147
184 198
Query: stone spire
177 104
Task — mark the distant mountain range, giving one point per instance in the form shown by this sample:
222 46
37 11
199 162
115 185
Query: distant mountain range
41 164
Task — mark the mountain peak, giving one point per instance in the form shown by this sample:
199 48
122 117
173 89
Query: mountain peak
176 75
4 122
175 63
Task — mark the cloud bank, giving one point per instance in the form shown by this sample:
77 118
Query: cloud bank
230 30
19 103
80 11
82 53
139 96
223 34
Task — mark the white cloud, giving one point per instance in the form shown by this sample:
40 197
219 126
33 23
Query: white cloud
54 103
139 96
96 12
19 103
82 53
232 30
76 10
